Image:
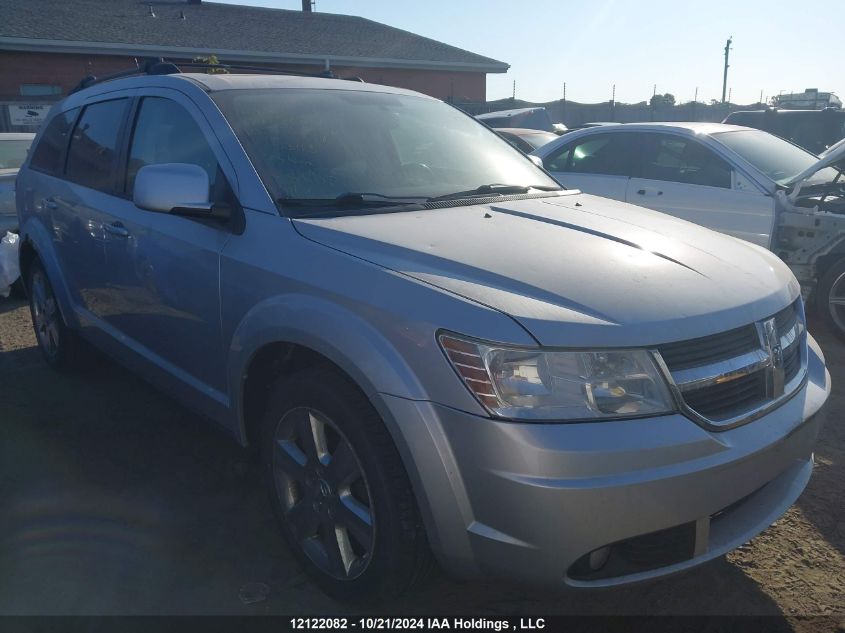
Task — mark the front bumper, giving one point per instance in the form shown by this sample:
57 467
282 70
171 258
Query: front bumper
531 501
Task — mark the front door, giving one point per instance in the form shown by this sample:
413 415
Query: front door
599 164
165 272
682 177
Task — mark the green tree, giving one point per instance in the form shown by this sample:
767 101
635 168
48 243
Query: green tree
667 99
213 64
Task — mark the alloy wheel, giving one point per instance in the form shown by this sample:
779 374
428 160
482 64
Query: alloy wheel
324 493
836 302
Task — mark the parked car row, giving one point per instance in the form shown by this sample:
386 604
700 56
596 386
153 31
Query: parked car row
740 181
13 149
525 140
438 351
531 118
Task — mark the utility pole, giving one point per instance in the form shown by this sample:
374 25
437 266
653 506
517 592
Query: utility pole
725 76
729 94
613 104
513 96
563 113
653 94
694 103
761 97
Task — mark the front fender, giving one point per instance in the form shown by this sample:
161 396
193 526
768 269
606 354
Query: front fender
329 329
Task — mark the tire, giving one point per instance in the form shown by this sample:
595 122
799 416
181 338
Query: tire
60 346
831 289
349 515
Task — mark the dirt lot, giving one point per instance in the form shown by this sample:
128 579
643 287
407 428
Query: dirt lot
118 501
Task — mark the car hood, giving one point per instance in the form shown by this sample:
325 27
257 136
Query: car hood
833 154
574 270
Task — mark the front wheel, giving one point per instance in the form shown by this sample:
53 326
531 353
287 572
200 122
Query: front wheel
830 298
339 488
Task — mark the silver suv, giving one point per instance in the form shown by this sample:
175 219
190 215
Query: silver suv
439 353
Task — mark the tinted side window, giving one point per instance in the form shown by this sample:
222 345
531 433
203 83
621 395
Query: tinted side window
595 154
93 145
47 155
166 133
677 159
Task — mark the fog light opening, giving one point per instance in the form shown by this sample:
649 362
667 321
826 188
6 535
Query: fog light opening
598 558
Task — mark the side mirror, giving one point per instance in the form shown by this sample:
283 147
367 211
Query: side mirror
536 160
177 188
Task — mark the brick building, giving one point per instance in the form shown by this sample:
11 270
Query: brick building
47 46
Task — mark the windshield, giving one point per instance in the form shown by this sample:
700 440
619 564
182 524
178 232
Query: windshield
13 153
778 159
323 144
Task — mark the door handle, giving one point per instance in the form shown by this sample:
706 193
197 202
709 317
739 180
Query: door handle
49 203
642 192
117 228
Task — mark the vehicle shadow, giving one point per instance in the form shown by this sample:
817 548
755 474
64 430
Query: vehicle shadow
829 473
10 303
124 503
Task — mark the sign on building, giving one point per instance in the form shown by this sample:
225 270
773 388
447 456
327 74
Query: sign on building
29 115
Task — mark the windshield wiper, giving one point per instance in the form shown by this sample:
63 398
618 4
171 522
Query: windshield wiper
495 189
353 198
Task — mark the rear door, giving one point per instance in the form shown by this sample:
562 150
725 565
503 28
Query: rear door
595 163
80 205
681 176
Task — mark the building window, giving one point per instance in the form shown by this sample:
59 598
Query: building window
39 90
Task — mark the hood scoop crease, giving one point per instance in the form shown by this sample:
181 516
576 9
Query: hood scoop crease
583 229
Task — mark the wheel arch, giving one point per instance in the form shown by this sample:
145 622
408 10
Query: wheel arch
828 260
37 245
292 332
266 347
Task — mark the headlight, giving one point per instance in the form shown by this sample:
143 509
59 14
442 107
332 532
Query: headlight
534 384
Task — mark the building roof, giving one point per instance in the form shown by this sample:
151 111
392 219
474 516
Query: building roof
234 33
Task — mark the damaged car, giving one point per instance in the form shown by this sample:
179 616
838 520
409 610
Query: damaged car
437 351
736 180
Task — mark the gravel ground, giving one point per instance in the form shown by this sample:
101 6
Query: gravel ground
118 501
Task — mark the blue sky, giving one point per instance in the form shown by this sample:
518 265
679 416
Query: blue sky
778 45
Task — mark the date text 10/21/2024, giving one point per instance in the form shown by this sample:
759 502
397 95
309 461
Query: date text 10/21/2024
424 624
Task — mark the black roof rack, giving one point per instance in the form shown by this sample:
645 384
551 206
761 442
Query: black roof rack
159 66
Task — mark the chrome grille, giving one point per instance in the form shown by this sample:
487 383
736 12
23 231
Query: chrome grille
731 377
708 349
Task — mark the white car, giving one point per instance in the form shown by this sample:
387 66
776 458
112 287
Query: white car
737 180
13 149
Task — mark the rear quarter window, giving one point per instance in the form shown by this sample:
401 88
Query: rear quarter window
47 155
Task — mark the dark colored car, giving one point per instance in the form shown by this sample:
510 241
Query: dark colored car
524 139
533 118
814 130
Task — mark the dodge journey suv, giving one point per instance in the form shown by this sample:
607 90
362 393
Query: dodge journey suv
438 353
